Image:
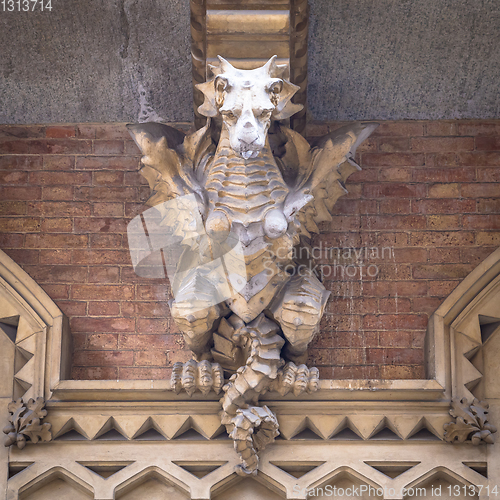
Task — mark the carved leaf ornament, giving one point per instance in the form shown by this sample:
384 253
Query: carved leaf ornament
25 423
471 423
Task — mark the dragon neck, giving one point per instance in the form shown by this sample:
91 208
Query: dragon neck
224 149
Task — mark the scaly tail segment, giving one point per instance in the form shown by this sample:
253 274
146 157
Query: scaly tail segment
253 427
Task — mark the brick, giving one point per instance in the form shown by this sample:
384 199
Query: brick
364 175
394 190
106 241
394 222
426 304
103 358
59 256
18 193
396 372
151 309
153 292
148 342
99 225
448 255
155 325
441 128
345 206
488 238
13 208
475 255
150 358
104 309
342 323
392 240
394 305
393 159
395 339
442 288
107 163
111 147
61 178
341 357
112 131
437 144
61 163
334 340
394 206
72 308
479 128
101 274
113 257
399 128
60 131
105 292
489 175
478 158
23 256
440 222
13 177
394 356
393 144
106 193
21 131
19 225
102 325
102 341
94 373
144 373
23 163
108 178
443 238
442 271
444 190
486 190
56 225
409 255
56 291
85 131
355 372
488 221
59 208
395 288
351 305
394 174
48 146
394 321
55 274
488 143
443 206
56 240
393 271
53 193
461 174
108 210
133 209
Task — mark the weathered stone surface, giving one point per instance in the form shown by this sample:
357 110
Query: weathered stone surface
382 60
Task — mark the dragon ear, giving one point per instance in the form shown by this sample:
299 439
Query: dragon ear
285 107
208 108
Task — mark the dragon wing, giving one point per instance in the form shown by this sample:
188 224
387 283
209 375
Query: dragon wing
318 174
173 164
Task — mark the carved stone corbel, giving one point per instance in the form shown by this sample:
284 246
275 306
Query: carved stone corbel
470 423
25 423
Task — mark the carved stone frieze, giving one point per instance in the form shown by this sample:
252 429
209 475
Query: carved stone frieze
471 423
25 423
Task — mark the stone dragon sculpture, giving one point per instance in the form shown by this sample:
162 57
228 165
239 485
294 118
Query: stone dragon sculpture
245 192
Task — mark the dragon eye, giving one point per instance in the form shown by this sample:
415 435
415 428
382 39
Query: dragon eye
265 114
229 115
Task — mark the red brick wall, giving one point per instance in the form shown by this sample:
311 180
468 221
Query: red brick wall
429 190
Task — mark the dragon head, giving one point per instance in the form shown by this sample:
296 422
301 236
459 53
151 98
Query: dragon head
247 101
